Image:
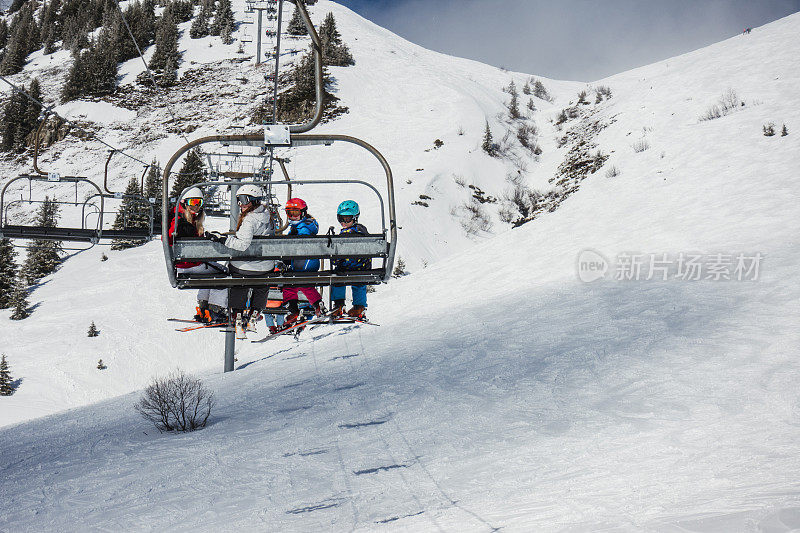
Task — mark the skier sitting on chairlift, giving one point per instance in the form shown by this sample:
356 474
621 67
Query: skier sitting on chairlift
189 223
301 223
347 214
254 220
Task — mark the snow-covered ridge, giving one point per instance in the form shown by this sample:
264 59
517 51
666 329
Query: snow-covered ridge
499 391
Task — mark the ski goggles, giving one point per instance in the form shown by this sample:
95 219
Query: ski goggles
294 213
244 199
193 202
345 219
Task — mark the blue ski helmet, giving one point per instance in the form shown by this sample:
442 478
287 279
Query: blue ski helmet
348 207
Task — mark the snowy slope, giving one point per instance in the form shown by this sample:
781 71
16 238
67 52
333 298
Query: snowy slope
532 402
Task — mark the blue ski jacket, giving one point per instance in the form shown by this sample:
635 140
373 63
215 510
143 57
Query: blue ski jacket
306 226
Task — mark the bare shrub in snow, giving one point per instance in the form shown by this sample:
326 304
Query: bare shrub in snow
784 131
176 403
472 217
520 203
459 180
612 172
603 90
711 113
726 105
399 269
526 134
505 147
729 101
582 98
640 145
768 129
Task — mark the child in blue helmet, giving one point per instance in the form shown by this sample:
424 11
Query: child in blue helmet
347 214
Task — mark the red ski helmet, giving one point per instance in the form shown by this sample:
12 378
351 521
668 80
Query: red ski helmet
296 203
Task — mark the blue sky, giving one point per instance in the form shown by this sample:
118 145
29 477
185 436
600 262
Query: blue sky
582 40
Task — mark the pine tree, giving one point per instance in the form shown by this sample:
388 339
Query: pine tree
50 41
19 299
15 6
166 41
784 131
3 33
223 16
6 386
296 25
200 23
334 51
29 116
101 365
531 105
141 20
132 214
93 71
12 116
182 10
526 89
8 270
539 91
297 103
488 141
192 172
16 51
44 256
169 76
153 184
227 30
513 106
93 332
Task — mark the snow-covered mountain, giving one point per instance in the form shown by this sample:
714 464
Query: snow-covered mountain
531 401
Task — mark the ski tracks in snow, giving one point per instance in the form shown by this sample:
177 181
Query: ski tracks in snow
376 478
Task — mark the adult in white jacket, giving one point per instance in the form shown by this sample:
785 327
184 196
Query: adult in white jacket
254 220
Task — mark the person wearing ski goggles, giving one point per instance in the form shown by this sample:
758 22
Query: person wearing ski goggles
347 214
189 223
300 223
254 221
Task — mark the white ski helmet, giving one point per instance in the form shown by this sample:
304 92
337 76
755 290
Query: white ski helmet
250 190
194 192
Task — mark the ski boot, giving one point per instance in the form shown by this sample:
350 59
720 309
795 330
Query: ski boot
254 319
201 312
337 308
357 311
216 314
290 320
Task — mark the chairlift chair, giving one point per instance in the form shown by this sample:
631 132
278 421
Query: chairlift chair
89 207
379 246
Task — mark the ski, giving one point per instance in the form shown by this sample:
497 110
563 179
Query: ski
192 328
316 320
352 320
185 321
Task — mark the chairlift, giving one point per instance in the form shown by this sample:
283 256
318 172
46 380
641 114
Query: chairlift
378 246
92 206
